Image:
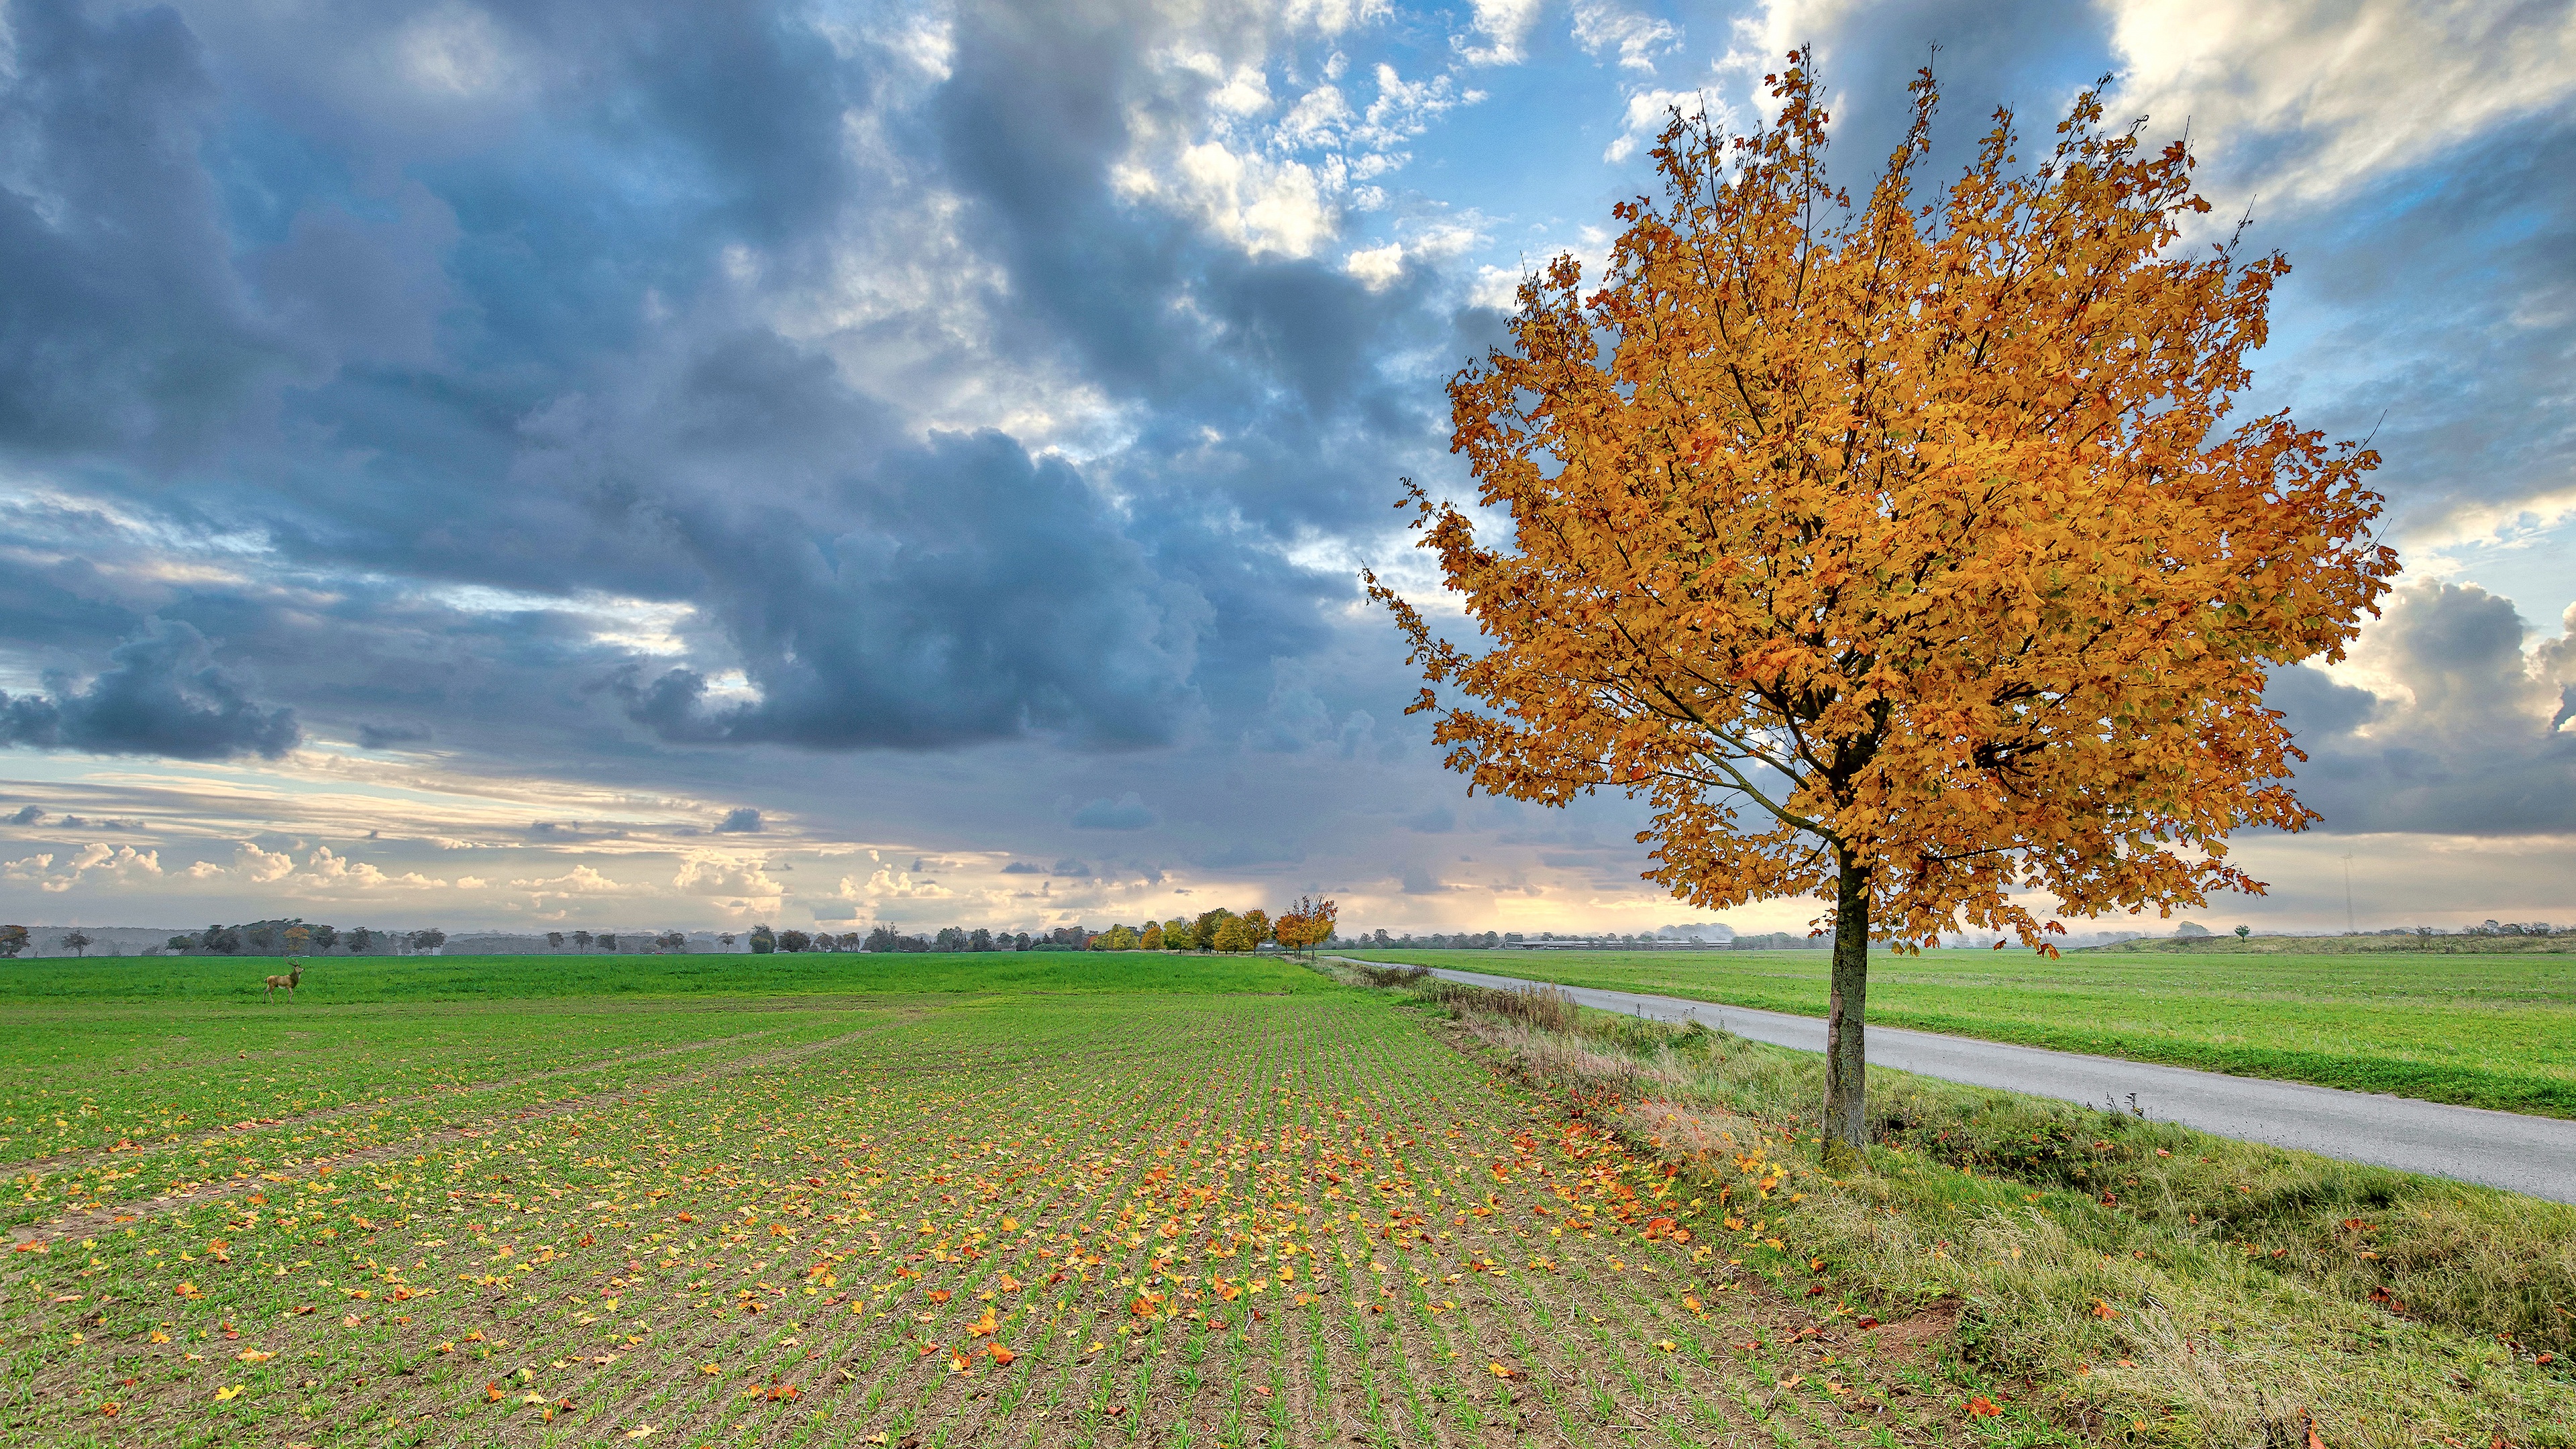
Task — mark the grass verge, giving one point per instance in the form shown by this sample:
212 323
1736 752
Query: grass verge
2495 1030
2138 1281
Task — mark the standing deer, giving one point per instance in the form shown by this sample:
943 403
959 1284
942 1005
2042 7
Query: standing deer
294 973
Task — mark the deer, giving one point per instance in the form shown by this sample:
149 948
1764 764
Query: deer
294 973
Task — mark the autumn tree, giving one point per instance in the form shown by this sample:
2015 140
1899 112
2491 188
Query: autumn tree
1913 554
1306 924
13 939
1152 939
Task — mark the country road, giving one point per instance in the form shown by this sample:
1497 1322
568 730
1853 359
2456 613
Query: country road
2535 1155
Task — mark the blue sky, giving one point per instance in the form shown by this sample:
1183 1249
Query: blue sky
571 464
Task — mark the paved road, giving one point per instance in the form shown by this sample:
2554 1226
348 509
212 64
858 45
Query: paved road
2536 1155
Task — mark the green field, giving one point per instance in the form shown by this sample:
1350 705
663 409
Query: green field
1227 1202
2489 1030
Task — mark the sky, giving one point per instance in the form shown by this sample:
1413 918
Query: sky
566 464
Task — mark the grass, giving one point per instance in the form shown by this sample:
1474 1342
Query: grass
2137 1280
2485 1030
1154 1216
335 980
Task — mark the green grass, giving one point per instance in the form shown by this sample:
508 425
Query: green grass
337 980
2488 1030
1187 1217
2136 1277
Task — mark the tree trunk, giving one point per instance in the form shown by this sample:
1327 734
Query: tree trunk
1846 1088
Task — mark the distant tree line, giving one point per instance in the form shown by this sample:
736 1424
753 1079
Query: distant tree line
298 937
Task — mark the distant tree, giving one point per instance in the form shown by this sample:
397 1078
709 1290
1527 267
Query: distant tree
1020 942
2244 931
581 940
1152 937
672 941
794 941
76 942
949 939
361 940
177 943
1178 935
881 939
1256 924
727 939
261 936
554 940
323 936
1306 924
223 940
427 939
607 940
299 939
762 942
1232 934
1203 930
14 939
980 940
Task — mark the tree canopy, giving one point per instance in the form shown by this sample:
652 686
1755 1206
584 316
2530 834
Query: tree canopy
1916 554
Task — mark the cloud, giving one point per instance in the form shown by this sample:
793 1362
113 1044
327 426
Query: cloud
2309 97
28 815
1600 25
742 820
1505 26
1127 812
391 737
2458 730
1024 867
710 873
160 695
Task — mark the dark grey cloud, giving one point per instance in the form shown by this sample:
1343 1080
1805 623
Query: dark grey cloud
392 736
2472 739
123 324
1023 867
161 694
1127 812
740 821
28 815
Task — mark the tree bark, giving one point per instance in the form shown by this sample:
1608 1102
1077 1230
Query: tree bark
1846 1087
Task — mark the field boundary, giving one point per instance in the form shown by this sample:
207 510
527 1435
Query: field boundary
88 1221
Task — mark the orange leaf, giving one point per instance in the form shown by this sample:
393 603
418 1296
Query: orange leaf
1982 1407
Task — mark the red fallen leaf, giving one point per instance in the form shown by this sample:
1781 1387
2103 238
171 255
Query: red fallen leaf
2104 1310
2316 1443
687 1218
1114 1410
1982 1407
1003 1356
1869 1323
492 1393
781 1391
587 1241
1816 1290
939 1295
1056 1277
301 1309
110 1408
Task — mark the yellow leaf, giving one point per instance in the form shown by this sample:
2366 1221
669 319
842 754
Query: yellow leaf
231 1392
640 1431
253 1355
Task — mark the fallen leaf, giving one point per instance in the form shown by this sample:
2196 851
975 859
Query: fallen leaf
253 1355
1982 1407
228 1393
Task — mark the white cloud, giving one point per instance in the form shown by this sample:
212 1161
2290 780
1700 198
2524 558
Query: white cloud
2315 96
712 873
1645 117
1505 24
1376 266
1600 26
1332 17
1320 118
1259 204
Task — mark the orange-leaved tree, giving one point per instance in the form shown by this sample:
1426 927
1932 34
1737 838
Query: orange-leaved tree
1306 924
1913 554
